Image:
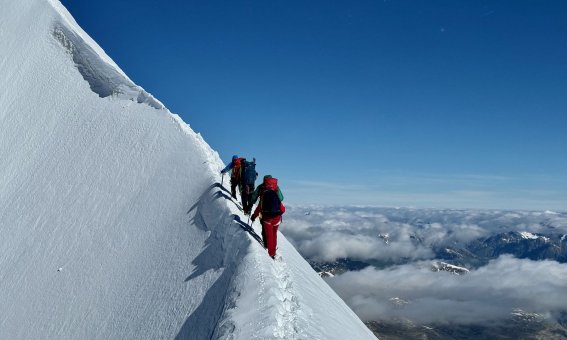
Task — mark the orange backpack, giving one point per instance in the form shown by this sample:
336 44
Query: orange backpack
236 169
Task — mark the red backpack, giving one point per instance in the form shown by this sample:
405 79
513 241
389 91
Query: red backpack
271 203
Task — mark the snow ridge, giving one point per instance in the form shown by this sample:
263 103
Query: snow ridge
103 78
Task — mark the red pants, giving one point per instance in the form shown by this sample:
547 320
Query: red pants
270 233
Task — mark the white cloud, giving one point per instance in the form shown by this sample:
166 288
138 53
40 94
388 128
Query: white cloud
332 245
484 295
337 232
345 233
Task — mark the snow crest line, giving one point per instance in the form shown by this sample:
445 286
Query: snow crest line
270 291
103 78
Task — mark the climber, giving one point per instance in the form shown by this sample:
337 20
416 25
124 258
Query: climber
270 208
235 175
258 192
248 182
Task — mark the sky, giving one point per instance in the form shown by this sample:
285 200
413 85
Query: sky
448 104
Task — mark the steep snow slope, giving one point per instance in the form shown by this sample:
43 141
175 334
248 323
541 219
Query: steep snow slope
112 221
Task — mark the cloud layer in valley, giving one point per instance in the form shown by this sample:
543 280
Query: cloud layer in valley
402 240
487 294
389 234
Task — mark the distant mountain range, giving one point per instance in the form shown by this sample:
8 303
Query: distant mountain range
472 255
522 245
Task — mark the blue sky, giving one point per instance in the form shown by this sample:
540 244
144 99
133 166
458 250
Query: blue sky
458 104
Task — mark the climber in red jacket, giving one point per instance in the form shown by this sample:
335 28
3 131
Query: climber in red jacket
271 209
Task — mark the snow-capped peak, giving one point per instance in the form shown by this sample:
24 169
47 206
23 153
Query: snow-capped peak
443 266
528 235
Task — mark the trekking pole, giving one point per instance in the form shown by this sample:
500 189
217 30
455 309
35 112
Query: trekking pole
249 221
222 179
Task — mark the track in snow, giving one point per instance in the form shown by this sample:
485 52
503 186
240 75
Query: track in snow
286 317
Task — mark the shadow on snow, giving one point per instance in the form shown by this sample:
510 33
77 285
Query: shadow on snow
219 254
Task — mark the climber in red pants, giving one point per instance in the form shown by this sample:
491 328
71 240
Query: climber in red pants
270 209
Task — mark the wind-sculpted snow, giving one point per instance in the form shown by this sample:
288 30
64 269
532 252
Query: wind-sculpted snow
103 79
113 224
